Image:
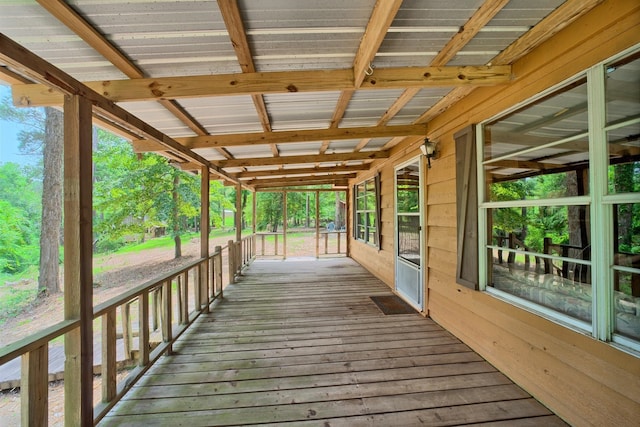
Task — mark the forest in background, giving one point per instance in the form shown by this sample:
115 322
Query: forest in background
135 197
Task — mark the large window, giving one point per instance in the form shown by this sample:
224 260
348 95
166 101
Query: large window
560 203
366 212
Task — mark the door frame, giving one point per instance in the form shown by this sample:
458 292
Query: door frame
421 304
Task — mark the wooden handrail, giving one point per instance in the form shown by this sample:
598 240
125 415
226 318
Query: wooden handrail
210 286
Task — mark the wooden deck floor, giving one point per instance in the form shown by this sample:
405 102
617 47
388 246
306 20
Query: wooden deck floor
301 343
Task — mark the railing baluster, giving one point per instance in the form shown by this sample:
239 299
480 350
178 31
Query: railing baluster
180 301
143 334
185 297
127 333
167 328
34 387
218 268
109 368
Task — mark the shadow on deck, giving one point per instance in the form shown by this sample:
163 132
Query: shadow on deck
301 343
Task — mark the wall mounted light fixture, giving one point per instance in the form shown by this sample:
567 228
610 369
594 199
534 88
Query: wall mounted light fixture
429 150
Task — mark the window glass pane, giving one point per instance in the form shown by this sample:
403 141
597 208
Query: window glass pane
626 284
626 219
360 203
560 284
409 238
623 90
624 159
541 186
557 225
408 188
554 117
371 237
371 202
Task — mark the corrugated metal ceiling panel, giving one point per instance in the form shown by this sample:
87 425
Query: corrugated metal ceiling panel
54 42
159 117
421 29
228 114
302 110
166 38
305 34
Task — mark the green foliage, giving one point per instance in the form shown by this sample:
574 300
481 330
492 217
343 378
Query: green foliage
19 218
134 192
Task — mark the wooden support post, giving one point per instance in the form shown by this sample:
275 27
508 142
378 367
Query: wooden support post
254 215
204 239
78 251
109 368
317 224
34 387
238 213
284 225
143 326
275 244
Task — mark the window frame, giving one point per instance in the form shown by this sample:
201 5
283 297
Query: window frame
374 183
598 201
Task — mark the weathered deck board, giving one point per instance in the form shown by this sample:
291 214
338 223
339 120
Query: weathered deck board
302 344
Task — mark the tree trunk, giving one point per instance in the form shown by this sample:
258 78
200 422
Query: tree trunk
48 281
176 222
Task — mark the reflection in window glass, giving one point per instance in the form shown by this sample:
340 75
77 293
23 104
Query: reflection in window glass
409 238
553 118
622 87
624 159
533 187
626 284
539 234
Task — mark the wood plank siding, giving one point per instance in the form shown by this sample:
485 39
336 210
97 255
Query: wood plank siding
301 343
586 381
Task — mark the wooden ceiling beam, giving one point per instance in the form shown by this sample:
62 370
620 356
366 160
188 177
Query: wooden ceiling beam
306 179
302 171
301 160
285 137
302 183
150 89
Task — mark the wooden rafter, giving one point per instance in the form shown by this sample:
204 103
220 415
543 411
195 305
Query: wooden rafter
300 160
70 18
561 17
338 114
38 69
381 18
283 137
150 89
479 19
237 34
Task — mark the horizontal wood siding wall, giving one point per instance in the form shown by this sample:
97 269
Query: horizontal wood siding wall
585 381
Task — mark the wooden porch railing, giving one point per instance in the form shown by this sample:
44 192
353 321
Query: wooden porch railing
164 306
